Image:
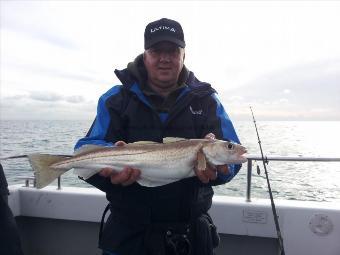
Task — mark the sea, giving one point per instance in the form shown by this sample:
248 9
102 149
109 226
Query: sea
308 181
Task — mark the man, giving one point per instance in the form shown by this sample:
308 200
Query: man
159 97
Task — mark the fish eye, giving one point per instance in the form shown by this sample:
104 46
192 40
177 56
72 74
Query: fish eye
230 146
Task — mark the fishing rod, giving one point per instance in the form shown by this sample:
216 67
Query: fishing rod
265 161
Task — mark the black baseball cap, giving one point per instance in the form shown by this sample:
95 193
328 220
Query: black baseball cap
163 30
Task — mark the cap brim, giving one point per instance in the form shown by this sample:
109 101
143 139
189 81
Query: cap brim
164 39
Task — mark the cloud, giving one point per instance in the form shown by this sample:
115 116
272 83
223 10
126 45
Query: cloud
46 106
309 91
236 98
14 97
90 76
44 97
74 99
55 46
47 96
16 18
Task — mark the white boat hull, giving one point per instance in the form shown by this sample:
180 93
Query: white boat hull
66 221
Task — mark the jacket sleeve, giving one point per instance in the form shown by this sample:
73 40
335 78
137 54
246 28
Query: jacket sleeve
219 123
104 131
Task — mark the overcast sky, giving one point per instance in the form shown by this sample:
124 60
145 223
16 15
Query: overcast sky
283 58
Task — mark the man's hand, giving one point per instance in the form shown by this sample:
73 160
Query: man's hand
210 173
126 177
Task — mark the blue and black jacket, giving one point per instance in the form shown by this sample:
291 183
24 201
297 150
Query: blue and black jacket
126 113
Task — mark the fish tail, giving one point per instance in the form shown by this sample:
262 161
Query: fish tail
44 173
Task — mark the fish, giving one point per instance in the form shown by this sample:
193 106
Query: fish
159 163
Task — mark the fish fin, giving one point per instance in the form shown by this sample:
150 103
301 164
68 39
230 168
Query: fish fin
85 173
44 174
143 142
173 139
87 148
146 182
201 161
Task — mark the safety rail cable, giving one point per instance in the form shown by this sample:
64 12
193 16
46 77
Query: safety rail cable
252 158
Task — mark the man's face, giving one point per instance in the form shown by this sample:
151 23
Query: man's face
164 62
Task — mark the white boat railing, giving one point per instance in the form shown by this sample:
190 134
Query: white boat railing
252 158
27 180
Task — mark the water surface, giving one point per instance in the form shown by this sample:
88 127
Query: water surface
290 180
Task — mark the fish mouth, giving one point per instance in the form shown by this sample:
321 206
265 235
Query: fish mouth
243 158
243 150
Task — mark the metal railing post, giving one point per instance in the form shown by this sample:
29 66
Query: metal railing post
59 183
27 180
249 172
